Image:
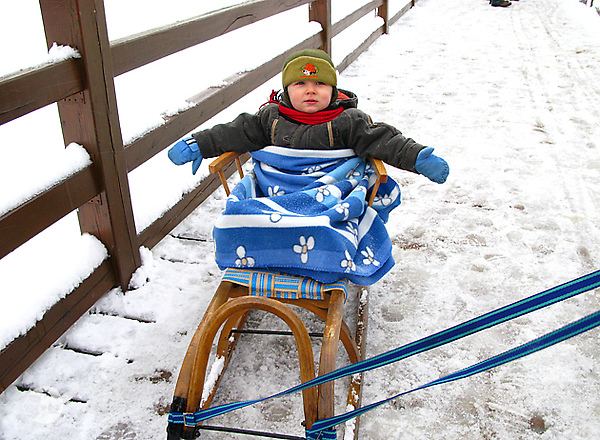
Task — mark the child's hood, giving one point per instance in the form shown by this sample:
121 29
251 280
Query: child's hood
346 99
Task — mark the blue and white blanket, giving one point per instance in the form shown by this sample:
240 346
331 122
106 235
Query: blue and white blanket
305 212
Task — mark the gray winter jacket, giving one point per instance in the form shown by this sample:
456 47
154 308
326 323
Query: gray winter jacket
351 129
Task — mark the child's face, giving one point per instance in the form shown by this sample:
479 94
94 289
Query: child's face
309 96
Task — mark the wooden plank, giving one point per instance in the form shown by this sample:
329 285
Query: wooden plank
94 123
329 350
24 222
220 162
26 91
402 11
207 104
320 11
353 17
118 228
383 12
140 49
24 350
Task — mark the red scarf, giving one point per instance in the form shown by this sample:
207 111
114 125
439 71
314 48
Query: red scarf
319 117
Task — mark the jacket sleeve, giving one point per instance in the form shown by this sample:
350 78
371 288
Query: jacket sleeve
381 141
245 133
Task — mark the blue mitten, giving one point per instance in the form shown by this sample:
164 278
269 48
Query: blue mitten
431 166
184 151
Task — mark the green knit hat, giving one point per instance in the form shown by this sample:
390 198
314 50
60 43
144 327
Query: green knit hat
309 65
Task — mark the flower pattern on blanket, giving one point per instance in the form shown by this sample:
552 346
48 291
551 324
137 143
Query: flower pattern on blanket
243 260
303 248
275 191
369 257
347 263
305 212
321 194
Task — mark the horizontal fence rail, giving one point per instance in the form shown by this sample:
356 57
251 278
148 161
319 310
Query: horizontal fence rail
138 50
25 222
25 92
205 105
83 88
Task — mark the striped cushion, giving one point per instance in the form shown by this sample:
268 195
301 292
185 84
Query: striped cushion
277 285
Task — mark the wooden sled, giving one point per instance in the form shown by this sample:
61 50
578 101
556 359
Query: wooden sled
228 310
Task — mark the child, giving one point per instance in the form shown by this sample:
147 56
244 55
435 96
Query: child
318 224
311 114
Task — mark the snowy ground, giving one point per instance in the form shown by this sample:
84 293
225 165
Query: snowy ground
510 98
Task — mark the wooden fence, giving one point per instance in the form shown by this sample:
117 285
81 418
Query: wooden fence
84 91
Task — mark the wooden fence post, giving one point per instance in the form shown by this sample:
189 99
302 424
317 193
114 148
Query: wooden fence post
383 12
320 11
91 119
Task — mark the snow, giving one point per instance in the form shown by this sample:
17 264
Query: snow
509 96
212 377
25 298
60 53
63 163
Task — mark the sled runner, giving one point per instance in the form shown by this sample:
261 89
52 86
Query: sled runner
246 288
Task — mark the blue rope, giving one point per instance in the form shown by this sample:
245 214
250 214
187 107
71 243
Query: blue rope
549 339
325 434
498 316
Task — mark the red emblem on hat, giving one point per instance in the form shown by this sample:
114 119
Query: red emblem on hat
309 70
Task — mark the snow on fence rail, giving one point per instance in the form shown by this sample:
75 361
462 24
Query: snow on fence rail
83 88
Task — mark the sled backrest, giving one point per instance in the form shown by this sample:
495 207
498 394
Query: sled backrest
225 159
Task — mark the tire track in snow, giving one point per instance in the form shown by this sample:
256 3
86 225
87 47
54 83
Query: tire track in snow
560 73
